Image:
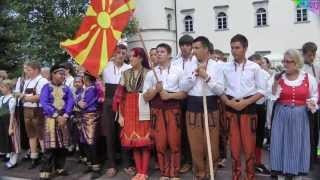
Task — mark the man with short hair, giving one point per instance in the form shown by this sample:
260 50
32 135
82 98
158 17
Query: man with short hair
244 85
33 116
185 61
162 89
204 80
309 52
109 127
262 117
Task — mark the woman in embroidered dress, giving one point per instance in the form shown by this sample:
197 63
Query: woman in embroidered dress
296 93
135 132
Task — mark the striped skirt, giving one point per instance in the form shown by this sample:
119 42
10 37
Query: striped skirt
290 140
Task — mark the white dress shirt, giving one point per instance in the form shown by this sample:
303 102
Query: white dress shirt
185 64
112 73
36 83
170 77
243 80
315 71
266 76
194 85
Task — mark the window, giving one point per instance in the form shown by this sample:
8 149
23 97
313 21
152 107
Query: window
302 14
169 21
188 24
222 21
261 14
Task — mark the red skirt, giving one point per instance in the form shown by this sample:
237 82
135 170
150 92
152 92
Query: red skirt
135 133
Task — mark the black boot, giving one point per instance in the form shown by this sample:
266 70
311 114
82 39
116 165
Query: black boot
62 172
34 163
95 175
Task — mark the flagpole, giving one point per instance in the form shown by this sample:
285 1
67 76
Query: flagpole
143 44
206 124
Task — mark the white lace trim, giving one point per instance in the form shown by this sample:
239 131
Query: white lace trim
296 82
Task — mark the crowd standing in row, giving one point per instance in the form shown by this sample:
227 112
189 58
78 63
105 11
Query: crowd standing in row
143 110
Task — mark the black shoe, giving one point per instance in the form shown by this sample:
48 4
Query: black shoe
88 170
26 157
95 175
34 163
261 169
62 172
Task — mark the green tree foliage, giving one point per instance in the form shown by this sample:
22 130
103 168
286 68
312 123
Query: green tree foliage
33 30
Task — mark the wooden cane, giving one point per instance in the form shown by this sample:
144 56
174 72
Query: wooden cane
206 124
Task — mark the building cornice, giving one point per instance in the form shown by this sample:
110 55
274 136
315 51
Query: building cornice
187 10
221 7
260 2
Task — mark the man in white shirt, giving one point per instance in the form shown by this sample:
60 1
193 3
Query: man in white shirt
185 61
33 116
162 89
205 80
218 56
262 117
109 127
244 85
309 51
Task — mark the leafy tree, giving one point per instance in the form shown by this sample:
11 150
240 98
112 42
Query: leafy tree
33 30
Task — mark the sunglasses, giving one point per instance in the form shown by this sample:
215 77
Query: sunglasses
287 62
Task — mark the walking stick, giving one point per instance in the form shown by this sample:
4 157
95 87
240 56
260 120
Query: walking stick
206 124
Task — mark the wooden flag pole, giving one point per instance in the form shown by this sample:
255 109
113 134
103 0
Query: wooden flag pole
143 45
146 52
206 124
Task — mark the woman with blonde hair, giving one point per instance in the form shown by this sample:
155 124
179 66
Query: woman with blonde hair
295 92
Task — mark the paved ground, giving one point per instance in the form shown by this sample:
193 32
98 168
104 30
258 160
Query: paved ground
75 170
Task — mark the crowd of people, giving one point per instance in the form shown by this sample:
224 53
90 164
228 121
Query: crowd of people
151 106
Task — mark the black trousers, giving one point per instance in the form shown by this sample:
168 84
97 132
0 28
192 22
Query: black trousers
92 158
53 159
185 146
262 117
314 134
111 131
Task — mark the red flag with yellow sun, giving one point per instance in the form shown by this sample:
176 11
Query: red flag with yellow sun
99 33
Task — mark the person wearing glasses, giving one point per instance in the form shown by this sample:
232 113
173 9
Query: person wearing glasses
296 93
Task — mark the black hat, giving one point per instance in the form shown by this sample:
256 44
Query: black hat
90 77
57 67
185 39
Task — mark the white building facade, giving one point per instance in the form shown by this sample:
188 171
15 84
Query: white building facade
271 26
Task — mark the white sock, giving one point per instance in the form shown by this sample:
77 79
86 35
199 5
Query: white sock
14 158
297 178
34 155
281 178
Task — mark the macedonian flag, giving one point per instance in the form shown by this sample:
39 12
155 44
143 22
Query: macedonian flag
99 33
